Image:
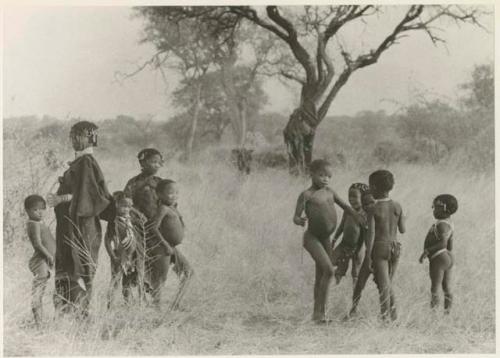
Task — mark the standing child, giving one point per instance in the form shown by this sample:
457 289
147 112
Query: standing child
437 247
142 190
169 230
384 251
318 203
350 248
42 262
125 249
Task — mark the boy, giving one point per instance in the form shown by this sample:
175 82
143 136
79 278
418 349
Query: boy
168 228
384 250
41 263
125 249
318 203
350 248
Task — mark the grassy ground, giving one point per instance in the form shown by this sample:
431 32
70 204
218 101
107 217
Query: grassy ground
252 293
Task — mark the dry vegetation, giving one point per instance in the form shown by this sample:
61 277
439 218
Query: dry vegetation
252 293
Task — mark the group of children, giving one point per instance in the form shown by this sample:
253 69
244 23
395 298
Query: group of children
372 219
141 241
145 229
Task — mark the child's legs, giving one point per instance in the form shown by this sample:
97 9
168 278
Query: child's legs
115 282
436 273
448 297
318 249
159 270
357 260
38 290
364 274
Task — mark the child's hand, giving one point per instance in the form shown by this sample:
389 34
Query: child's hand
422 257
50 260
168 249
300 221
53 200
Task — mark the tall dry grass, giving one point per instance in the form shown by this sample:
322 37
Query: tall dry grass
252 292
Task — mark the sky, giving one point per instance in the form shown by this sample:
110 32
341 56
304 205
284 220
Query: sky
61 61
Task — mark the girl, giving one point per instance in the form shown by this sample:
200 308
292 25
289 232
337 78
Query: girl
318 203
81 198
437 248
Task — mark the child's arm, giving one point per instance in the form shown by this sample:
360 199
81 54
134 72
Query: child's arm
162 212
107 243
401 221
369 238
346 207
340 229
299 209
443 232
449 246
36 241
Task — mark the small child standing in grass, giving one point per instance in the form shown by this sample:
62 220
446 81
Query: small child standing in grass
350 248
437 248
318 203
169 230
41 263
125 249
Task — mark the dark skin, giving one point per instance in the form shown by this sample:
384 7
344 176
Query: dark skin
320 228
384 221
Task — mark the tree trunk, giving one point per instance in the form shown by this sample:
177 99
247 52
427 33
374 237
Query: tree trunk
194 124
299 136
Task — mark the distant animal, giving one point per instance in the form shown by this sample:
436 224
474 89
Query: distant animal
242 159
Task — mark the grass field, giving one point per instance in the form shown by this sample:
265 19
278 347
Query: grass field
252 293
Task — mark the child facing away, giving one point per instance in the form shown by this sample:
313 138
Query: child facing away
169 231
318 203
437 248
383 251
125 248
41 263
353 234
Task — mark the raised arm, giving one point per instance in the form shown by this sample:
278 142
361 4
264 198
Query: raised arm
298 219
36 240
162 212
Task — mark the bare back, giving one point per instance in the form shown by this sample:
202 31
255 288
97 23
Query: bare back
388 217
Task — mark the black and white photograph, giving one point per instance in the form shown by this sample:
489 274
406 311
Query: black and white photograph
248 179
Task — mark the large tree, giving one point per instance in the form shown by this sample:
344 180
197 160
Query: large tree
307 32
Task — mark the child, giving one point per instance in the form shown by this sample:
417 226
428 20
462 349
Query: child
125 249
365 270
142 190
42 262
350 248
318 203
169 230
383 252
437 247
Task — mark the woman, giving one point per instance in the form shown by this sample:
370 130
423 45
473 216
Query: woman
81 198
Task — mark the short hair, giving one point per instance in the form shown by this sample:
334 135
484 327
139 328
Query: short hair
147 153
86 128
319 164
382 180
31 200
162 184
361 187
119 196
448 201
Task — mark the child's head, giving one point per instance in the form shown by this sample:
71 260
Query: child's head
444 205
355 194
35 207
123 204
150 160
381 182
367 200
167 191
321 172
83 134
